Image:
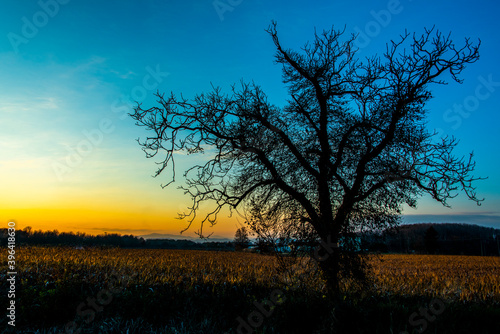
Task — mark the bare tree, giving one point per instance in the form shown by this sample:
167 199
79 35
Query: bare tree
343 154
241 240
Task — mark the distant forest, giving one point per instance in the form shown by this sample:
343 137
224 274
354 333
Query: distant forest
449 239
27 236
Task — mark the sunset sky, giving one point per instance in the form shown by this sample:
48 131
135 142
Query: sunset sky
70 70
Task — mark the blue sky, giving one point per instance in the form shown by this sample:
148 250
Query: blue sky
69 70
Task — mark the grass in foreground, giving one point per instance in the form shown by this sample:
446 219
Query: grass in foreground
177 291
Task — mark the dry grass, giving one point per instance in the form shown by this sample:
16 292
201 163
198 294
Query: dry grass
463 278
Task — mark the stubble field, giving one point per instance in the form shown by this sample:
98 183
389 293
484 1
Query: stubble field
63 290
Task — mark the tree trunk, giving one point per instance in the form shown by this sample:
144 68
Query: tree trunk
330 269
328 259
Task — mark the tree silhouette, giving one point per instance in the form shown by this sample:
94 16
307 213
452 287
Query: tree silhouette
344 153
241 240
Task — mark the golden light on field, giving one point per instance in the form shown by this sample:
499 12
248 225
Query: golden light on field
458 278
471 278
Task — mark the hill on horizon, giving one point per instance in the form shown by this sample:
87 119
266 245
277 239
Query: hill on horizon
436 238
154 236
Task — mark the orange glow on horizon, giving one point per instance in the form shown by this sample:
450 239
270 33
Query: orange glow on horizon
96 222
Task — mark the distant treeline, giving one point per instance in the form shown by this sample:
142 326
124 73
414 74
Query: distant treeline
27 236
448 239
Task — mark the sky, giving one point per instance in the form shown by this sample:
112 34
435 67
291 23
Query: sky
70 71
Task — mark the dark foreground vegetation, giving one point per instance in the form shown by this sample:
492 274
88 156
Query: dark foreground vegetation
111 290
217 311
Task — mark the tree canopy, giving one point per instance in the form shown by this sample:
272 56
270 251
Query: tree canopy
346 150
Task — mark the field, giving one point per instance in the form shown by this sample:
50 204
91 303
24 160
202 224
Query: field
63 290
